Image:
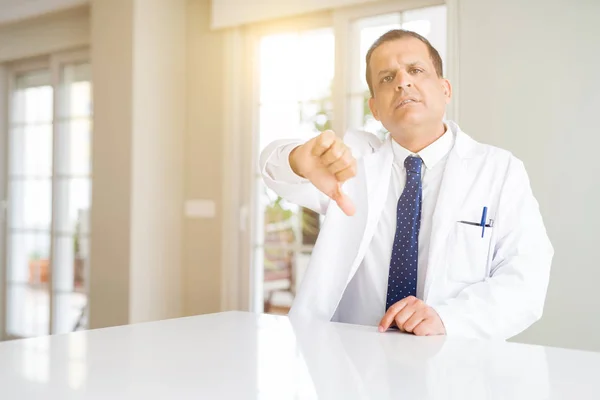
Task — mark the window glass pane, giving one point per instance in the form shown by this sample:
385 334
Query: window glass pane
73 153
75 91
28 310
28 258
69 311
369 29
32 98
278 73
429 22
283 270
70 263
275 118
315 62
73 198
30 201
296 75
31 150
296 66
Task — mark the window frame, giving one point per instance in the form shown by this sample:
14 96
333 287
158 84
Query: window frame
54 64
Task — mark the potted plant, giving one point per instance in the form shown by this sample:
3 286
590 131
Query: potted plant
39 268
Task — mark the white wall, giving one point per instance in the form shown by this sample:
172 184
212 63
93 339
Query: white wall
207 75
159 112
138 61
112 70
529 83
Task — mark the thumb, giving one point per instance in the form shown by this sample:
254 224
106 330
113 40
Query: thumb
343 201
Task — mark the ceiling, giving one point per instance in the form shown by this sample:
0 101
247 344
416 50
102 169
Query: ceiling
16 10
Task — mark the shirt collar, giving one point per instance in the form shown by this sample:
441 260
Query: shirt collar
430 155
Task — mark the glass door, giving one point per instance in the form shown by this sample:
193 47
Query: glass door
48 200
29 204
295 82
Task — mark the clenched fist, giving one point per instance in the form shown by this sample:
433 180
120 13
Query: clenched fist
327 163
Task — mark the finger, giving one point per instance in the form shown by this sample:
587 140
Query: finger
404 315
322 143
424 328
414 320
390 314
343 201
333 153
346 174
345 161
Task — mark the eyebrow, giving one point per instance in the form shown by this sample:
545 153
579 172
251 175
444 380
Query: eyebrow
386 71
409 65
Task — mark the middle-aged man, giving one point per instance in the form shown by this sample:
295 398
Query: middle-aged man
428 231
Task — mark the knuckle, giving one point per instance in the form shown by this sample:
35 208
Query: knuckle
328 135
326 138
337 152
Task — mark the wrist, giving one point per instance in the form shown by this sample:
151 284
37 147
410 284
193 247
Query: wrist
293 162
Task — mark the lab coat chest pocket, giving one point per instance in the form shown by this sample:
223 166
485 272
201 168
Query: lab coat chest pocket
469 253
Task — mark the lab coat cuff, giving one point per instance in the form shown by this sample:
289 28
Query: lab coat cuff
278 166
448 318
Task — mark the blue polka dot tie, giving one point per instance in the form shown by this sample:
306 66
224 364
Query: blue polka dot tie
402 279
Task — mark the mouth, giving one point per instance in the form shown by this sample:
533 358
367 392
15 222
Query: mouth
405 102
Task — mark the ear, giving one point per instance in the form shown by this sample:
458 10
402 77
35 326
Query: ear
447 87
373 108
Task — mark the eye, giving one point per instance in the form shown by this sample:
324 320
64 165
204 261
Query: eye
387 79
416 71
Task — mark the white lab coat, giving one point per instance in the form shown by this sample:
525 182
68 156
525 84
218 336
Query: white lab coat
491 287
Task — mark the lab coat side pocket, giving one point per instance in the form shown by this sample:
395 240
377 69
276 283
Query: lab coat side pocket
469 253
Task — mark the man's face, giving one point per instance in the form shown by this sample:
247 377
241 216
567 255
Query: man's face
407 92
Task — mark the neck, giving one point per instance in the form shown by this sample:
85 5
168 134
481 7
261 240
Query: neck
417 138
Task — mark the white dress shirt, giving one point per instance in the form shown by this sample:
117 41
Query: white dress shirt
363 302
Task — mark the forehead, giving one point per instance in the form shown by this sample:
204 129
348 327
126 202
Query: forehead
400 51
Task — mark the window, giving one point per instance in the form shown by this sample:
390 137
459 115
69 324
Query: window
309 77
49 192
296 75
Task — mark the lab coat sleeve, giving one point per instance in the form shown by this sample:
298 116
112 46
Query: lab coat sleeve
512 297
278 176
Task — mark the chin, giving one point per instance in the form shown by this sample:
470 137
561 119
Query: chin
407 119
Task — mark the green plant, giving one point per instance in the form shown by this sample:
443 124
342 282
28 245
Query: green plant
35 255
274 212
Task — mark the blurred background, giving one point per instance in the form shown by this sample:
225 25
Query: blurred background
130 132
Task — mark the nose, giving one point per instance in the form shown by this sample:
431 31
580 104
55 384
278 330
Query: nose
403 81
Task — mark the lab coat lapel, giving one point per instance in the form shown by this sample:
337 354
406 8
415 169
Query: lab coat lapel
378 168
453 191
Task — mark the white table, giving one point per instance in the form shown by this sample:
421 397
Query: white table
246 356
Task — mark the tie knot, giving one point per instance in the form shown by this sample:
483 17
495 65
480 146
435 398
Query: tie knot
413 164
